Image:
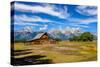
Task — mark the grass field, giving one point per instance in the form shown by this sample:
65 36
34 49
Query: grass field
62 52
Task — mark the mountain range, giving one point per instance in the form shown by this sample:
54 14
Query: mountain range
26 34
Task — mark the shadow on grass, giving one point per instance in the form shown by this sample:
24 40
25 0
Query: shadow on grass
20 52
30 60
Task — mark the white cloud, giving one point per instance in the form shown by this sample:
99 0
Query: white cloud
83 21
26 18
87 10
84 26
79 25
22 23
47 9
29 20
88 21
28 29
66 30
44 27
72 29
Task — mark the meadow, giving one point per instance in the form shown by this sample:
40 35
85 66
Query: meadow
61 52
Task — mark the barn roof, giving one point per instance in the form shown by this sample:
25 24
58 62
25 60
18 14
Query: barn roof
37 36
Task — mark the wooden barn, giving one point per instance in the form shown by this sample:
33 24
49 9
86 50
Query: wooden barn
41 38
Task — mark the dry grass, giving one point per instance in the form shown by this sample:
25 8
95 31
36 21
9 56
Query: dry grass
62 52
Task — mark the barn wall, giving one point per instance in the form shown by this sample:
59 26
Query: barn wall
42 40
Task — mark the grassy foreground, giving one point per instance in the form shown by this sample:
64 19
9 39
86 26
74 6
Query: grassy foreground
62 52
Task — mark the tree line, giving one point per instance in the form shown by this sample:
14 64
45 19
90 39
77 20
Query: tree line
86 36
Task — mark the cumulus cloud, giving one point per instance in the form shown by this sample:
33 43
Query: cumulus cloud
28 29
72 30
47 9
66 30
44 27
87 10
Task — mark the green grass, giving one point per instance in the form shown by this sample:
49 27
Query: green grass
64 51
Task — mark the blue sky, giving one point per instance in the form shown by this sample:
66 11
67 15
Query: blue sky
46 16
